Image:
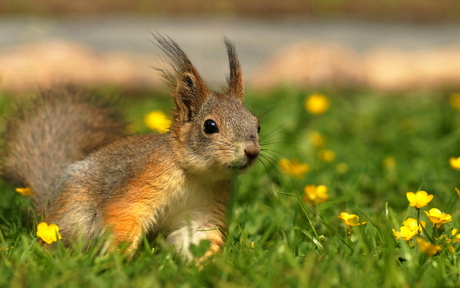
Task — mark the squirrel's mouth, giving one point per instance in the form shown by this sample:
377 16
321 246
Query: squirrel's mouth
240 166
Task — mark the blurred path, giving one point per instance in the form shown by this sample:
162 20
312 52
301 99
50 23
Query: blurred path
202 38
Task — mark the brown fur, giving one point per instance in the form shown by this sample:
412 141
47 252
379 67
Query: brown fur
177 183
52 130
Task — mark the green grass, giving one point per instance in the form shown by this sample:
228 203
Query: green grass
274 238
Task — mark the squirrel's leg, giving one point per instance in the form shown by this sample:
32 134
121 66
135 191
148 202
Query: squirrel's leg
216 239
126 228
193 234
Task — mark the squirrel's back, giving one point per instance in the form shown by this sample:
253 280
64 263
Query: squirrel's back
52 130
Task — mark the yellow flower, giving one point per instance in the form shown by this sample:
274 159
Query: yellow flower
412 224
25 191
456 234
404 233
317 104
342 168
389 163
428 248
49 234
455 163
409 229
294 167
6 248
437 217
326 155
409 126
350 219
157 120
315 194
316 139
454 101
419 199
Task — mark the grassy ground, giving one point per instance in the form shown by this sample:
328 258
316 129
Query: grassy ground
378 147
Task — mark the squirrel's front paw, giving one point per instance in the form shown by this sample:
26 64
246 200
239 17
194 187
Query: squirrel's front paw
197 244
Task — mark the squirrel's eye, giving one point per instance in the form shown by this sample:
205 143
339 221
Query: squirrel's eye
258 129
210 127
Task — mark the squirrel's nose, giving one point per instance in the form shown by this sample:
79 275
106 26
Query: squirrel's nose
252 151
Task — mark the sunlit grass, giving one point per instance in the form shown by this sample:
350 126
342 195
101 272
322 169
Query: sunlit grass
383 146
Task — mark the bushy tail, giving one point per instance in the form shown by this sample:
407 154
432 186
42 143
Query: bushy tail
49 132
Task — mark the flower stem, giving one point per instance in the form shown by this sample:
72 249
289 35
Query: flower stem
418 221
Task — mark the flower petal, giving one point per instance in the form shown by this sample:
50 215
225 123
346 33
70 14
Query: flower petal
411 197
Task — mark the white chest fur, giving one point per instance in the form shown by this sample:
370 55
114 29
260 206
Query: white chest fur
190 215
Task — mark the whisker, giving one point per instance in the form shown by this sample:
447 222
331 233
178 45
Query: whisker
277 130
276 176
274 152
269 175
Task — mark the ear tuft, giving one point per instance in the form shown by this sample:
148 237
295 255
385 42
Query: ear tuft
188 81
189 90
235 79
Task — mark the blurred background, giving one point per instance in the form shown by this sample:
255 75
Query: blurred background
384 45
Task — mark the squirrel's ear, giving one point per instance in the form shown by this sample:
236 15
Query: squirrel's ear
189 90
189 94
235 79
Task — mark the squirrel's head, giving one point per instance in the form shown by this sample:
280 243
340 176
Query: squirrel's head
215 133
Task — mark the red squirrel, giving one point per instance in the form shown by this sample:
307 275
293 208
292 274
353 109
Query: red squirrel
86 176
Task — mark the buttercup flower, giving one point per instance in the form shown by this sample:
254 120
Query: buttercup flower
316 139
428 248
455 163
404 233
419 199
294 167
317 104
437 217
409 229
48 233
315 194
342 168
350 219
409 126
389 163
456 235
25 191
157 120
454 101
326 155
412 224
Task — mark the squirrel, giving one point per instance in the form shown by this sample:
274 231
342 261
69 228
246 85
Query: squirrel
87 176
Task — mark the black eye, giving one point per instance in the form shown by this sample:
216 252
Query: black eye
210 127
258 129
